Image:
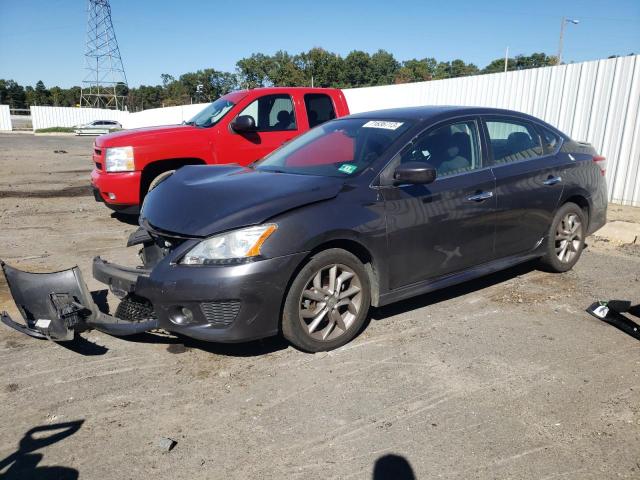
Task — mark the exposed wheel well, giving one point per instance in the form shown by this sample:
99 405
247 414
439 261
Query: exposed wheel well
581 202
152 170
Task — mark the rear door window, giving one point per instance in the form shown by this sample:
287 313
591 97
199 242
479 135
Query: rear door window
272 113
513 140
550 141
319 108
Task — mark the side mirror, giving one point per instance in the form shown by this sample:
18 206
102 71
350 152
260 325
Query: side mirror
244 124
414 173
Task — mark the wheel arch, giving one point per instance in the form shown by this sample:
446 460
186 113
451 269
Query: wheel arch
581 198
354 247
153 169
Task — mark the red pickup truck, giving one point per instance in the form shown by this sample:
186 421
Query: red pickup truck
239 127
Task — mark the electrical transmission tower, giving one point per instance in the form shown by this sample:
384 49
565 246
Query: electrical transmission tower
105 84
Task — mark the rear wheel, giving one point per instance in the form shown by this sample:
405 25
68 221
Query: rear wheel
327 302
566 238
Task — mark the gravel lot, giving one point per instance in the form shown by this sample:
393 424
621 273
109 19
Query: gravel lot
505 377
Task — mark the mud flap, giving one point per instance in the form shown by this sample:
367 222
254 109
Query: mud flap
58 305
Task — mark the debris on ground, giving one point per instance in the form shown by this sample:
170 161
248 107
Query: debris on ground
166 444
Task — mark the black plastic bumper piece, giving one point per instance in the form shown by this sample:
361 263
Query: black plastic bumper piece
58 305
120 279
612 313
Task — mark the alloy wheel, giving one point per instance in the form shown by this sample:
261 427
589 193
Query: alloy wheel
568 237
330 302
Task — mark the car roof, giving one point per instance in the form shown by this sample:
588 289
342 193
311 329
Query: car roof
437 112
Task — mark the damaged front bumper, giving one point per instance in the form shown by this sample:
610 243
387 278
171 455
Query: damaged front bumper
58 305
226 304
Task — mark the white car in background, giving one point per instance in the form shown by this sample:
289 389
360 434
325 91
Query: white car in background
97 127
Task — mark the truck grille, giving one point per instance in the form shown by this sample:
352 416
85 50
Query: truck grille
221 313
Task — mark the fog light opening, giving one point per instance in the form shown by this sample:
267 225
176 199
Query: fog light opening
181 316
112 196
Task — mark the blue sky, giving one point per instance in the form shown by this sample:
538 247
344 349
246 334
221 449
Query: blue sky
44 39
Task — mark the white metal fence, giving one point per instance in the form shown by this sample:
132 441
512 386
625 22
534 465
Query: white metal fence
162 116
5 118
597 102
45 117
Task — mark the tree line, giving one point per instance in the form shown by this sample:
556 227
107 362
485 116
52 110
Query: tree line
317 67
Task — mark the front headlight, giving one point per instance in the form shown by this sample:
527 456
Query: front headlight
231 246
119 159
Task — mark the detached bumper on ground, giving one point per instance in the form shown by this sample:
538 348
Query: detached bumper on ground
57 305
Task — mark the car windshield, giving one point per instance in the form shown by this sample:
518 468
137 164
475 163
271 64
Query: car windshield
212 113
340 148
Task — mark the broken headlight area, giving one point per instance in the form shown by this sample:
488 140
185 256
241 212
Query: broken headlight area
155 245
58 305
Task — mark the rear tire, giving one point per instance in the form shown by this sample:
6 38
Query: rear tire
327 302
565 240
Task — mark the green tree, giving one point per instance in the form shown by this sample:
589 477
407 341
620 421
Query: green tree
253 71
222 83
56 94
357 69
455 68
521 62
41 95
285 71
416 70
325 67
383 68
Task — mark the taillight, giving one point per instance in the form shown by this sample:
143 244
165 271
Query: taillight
601 162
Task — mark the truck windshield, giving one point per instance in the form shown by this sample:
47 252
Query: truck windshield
212 113
339 148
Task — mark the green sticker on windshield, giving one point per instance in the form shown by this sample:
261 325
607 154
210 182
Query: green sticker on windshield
347 168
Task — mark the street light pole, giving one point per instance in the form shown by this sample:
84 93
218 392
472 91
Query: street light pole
565 20
506 60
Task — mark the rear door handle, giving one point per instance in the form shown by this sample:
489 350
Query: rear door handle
552 180
480 197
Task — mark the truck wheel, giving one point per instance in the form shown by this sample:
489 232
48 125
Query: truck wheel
327 302
159 178
565 240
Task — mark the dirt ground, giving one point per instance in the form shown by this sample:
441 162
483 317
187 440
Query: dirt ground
504 377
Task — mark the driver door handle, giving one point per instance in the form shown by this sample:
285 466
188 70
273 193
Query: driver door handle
480 197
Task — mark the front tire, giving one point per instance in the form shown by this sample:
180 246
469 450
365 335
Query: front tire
565 240
327 302
159 178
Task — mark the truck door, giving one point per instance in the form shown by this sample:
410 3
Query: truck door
276 123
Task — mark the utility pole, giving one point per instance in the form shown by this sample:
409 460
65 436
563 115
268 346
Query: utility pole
565 20
506 60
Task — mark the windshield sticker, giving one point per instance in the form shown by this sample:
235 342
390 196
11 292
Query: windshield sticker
347 168
382 124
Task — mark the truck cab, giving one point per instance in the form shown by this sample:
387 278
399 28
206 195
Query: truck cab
240 127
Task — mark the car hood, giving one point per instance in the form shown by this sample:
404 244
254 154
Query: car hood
201 200
137 136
